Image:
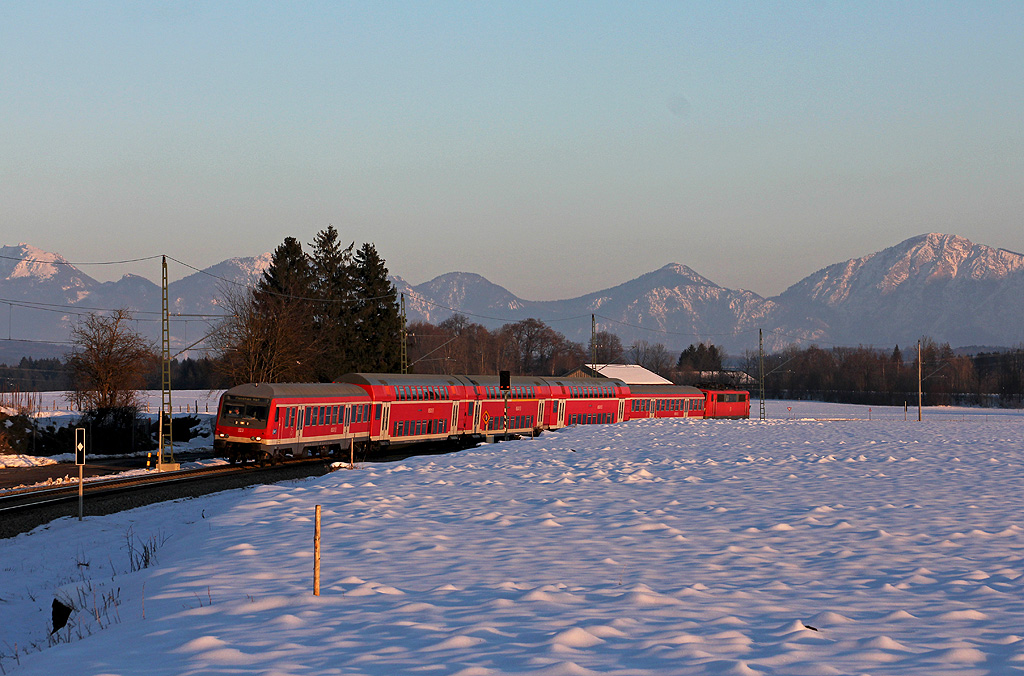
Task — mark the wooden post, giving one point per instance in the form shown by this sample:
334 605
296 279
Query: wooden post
919 381
316 554
81 489
351 453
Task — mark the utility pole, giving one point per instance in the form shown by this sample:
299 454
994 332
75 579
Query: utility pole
405 341
593 341
166 462
919 381
760 367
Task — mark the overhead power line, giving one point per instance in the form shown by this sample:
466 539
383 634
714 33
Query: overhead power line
71 264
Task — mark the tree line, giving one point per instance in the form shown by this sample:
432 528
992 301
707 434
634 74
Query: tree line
868 375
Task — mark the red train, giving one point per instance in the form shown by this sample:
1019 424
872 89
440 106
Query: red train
267 421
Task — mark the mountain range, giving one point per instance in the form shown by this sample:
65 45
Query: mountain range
936 285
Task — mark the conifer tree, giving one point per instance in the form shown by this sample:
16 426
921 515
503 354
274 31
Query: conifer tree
377 323
334 312
284 303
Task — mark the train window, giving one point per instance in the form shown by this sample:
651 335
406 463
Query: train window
250 408
376 413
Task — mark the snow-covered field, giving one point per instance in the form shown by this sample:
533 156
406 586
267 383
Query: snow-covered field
52 409
796 545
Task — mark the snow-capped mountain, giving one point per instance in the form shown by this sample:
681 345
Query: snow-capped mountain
46 295
935 285
202 292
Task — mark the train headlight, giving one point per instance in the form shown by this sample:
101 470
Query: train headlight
256 438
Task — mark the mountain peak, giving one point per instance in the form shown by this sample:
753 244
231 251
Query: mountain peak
26 261
688 274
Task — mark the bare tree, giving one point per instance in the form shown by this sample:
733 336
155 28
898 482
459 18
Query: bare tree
262 342
653 357
108 362
607 348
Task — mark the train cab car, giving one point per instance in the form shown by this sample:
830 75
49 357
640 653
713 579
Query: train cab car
265 422
665 401
733 404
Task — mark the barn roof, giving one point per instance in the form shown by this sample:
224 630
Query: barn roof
631 374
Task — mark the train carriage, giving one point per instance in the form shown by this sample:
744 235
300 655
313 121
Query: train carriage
414 408
665 401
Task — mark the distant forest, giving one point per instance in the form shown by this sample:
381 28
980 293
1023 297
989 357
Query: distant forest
862 375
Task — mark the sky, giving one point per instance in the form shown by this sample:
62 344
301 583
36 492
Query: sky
554 148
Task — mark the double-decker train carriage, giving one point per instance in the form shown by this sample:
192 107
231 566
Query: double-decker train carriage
268 421
665 401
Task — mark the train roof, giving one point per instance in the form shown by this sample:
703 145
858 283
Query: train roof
666 390
276 390
392 379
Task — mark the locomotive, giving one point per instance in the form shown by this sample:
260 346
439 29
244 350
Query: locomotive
266 422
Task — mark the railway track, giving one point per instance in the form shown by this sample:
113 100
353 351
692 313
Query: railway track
24 509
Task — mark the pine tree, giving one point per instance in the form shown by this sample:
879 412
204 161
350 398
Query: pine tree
377 322
284 304
334 312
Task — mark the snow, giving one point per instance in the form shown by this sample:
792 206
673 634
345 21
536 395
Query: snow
815 542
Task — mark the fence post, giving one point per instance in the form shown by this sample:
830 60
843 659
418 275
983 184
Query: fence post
316 554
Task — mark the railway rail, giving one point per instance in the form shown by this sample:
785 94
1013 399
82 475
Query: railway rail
22 510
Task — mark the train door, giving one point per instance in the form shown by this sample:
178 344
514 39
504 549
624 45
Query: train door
348 418
300 419
455 419
385 421
622 410
540 413
560 418
278 422
286 422
476 417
